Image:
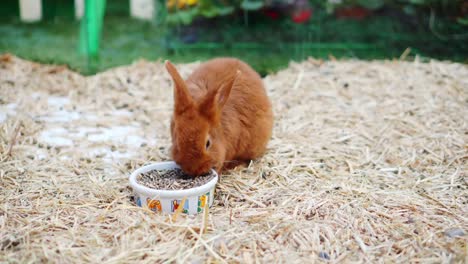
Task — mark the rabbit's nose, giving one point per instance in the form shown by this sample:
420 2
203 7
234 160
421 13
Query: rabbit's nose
193 171
202 170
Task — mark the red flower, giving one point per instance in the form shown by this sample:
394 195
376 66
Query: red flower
272 14
355 12
302 16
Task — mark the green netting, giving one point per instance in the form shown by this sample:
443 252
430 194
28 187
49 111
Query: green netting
265 44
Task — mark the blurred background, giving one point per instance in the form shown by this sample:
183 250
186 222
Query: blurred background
92 35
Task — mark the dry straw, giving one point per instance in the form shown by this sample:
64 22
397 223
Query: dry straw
367 163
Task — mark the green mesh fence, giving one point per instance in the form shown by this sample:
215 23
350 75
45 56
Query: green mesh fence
108 37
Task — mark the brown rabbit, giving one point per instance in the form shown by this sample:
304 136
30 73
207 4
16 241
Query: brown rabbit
222 116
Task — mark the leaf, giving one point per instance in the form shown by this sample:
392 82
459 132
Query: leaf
209 12
183 16
463 21
225 10
205 4
371 4
186 17
251 5
409 10
172 19
418 2
330 8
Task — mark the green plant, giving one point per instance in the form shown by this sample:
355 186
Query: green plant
331 5
185 11
457 9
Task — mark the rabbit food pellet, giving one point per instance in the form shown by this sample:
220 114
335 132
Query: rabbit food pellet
173 179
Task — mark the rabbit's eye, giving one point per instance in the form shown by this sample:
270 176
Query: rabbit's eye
208 143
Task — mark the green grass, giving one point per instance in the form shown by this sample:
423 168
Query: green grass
266 45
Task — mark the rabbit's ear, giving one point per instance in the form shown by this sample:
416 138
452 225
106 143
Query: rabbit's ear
182 98
215 100
224 92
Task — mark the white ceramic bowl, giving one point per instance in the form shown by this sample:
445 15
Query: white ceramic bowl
168 200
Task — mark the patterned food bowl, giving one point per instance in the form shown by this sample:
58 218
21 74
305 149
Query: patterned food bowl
168 201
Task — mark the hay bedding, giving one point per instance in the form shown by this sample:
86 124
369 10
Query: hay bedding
367 163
